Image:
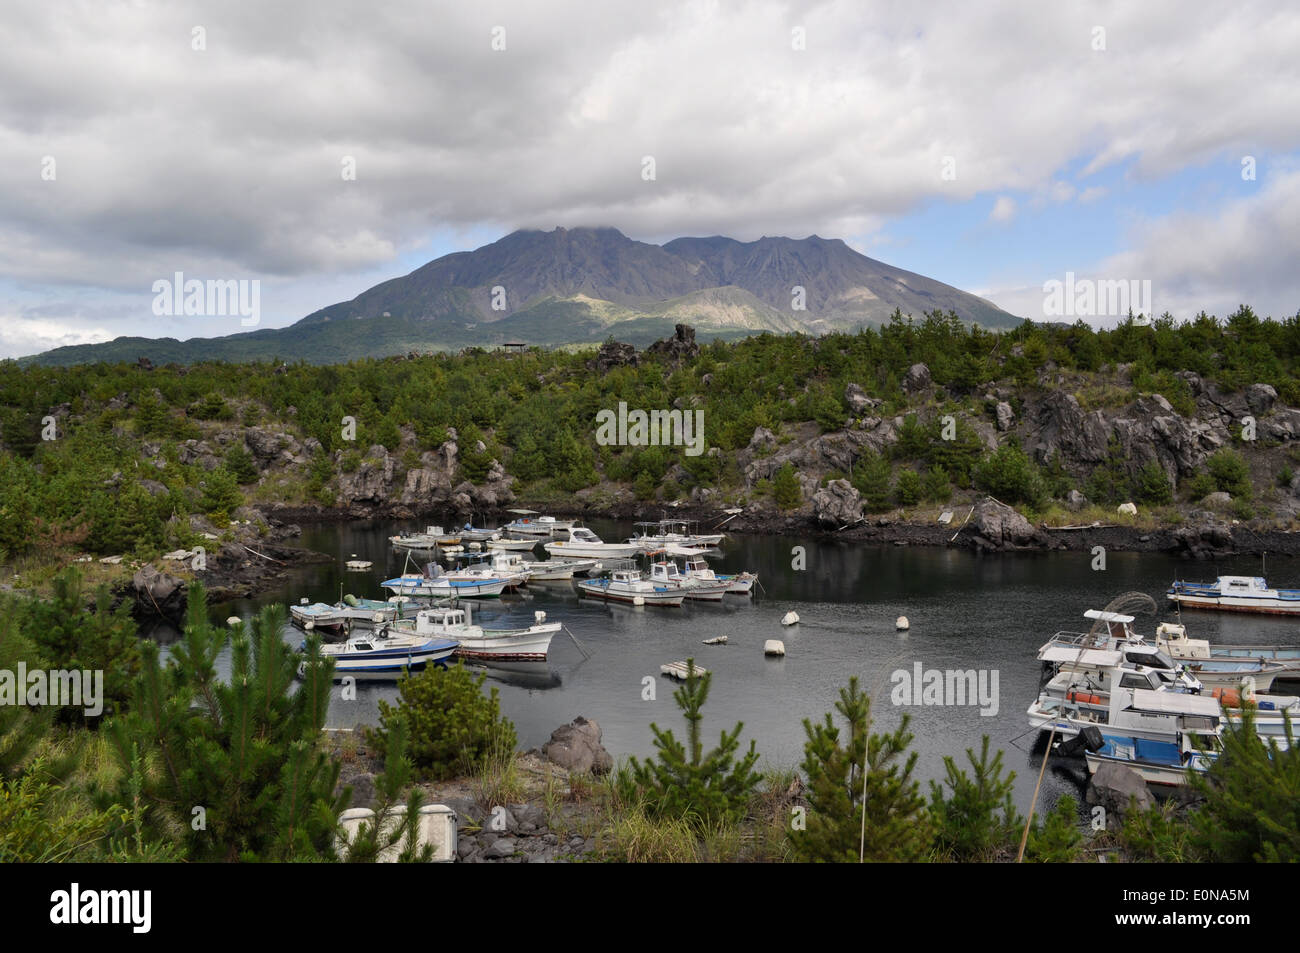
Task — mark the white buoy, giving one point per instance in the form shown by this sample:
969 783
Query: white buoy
539 617
234 620
774 647
302 601
790 618
902 625
638 600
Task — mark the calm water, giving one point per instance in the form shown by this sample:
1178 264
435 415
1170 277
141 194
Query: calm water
966 612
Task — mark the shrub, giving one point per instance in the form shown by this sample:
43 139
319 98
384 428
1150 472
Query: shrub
1230 472
969 827
687 784
452 727
935 485
1011 476
786 489
907 488
1152 486
1057 840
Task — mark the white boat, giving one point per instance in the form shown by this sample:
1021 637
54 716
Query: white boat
475 642
1236 594
319 616
665 572
370 612
507 566
473 534
430 539
1173 649
669 532
626 585
582 542
739 583
382 654
555 570
434 582
514 545
529 523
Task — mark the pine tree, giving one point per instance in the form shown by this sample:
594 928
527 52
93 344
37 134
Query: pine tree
786 489
686 783
897 824
1252 798
234 767
969 827
1057 840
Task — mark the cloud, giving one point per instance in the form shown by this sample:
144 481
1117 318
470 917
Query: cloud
1004 209
227 162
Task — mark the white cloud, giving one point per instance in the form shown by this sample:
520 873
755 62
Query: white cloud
1004 209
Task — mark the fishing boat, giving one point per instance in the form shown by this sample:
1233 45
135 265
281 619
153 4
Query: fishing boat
1178 734
529 523
320 616
627 585
515 545
738 583
430 539
435 582
472 534
582 542
1172 649
382 654
556 570
370 612
665 572
507 566
475 642
1236 594
682 533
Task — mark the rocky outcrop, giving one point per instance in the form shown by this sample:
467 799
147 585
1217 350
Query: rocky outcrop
678 348
369 483
916 379
613 354
270 448
816 454
858 400
837 504
1006 417
998 526
576 747
158 594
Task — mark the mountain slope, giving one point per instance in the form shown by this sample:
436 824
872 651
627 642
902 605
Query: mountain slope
580 285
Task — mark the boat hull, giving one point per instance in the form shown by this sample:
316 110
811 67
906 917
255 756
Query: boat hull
655 597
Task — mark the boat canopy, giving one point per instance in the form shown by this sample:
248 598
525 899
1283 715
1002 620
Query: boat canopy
1175 703
1102 616
1103 658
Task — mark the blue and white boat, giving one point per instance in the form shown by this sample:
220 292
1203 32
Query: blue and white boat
319 616
1236 594
434 582
383 654
626 585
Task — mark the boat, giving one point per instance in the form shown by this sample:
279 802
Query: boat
472 534
555 570
514 545
1236 594
435 582
507 566
370 612
320 616
475 642
1172 649
676 532
382 654
1179 734
627 585
582 542
738 583
665 572
529 524
430 539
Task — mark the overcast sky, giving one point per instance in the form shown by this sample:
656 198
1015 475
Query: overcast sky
993 146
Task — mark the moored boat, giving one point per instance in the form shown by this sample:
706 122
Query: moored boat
582 542
434 582
626 585
1236 594
383 654
531 643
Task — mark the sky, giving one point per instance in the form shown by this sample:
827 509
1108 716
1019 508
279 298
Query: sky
321 147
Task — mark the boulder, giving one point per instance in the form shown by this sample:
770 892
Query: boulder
1114 787
1260 398
158 594
1000 524
837 504
858 400
576 747
680 347
1127 508
1006 417
1075 500
917 378
613 354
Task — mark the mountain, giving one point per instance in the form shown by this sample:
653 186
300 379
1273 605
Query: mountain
580 285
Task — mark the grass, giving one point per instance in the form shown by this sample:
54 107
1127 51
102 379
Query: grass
498 780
